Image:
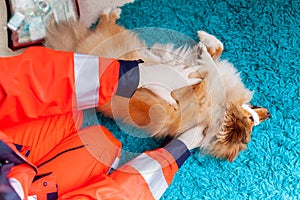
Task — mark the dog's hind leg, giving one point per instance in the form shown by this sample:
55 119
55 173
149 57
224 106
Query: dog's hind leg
213 45
108 19
65 35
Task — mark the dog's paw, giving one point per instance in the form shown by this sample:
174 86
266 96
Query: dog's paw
213 45
117 12
106 11
111 13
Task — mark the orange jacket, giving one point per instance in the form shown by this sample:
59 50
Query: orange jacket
41 83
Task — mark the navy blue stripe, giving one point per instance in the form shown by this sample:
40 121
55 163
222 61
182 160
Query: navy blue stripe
27 153
19 147
128 78
37 177
7 154
52 196
178 150
59 154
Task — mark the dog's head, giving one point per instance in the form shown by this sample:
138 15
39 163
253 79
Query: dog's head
236 130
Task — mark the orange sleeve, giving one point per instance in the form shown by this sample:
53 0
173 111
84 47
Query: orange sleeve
131 183
30 85
145 177
43 82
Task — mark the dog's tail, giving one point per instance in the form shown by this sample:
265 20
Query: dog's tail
66 35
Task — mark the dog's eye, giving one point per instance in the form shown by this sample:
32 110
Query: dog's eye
251 118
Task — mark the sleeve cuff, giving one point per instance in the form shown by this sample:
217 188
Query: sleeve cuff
128 78
178 150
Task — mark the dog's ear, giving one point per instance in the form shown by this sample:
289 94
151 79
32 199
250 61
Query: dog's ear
234 128
236 140
233 136
236 132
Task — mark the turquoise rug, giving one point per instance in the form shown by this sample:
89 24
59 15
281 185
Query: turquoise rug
261 38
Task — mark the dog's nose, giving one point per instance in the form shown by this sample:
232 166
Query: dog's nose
268 115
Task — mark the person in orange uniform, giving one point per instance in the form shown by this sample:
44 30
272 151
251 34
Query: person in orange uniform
44 153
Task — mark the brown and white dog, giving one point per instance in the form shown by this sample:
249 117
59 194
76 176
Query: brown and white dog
219 103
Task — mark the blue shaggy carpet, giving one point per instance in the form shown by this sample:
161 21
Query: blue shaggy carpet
261 38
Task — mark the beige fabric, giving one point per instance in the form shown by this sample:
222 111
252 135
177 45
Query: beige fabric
4 50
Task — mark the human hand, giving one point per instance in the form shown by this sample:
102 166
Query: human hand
192 138
162 79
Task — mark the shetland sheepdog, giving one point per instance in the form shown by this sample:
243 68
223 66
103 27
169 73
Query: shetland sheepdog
220 103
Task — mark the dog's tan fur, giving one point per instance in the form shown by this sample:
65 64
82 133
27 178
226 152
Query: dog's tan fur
215 102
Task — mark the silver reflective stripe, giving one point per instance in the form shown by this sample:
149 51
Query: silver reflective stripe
115 164
86 70
151 171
